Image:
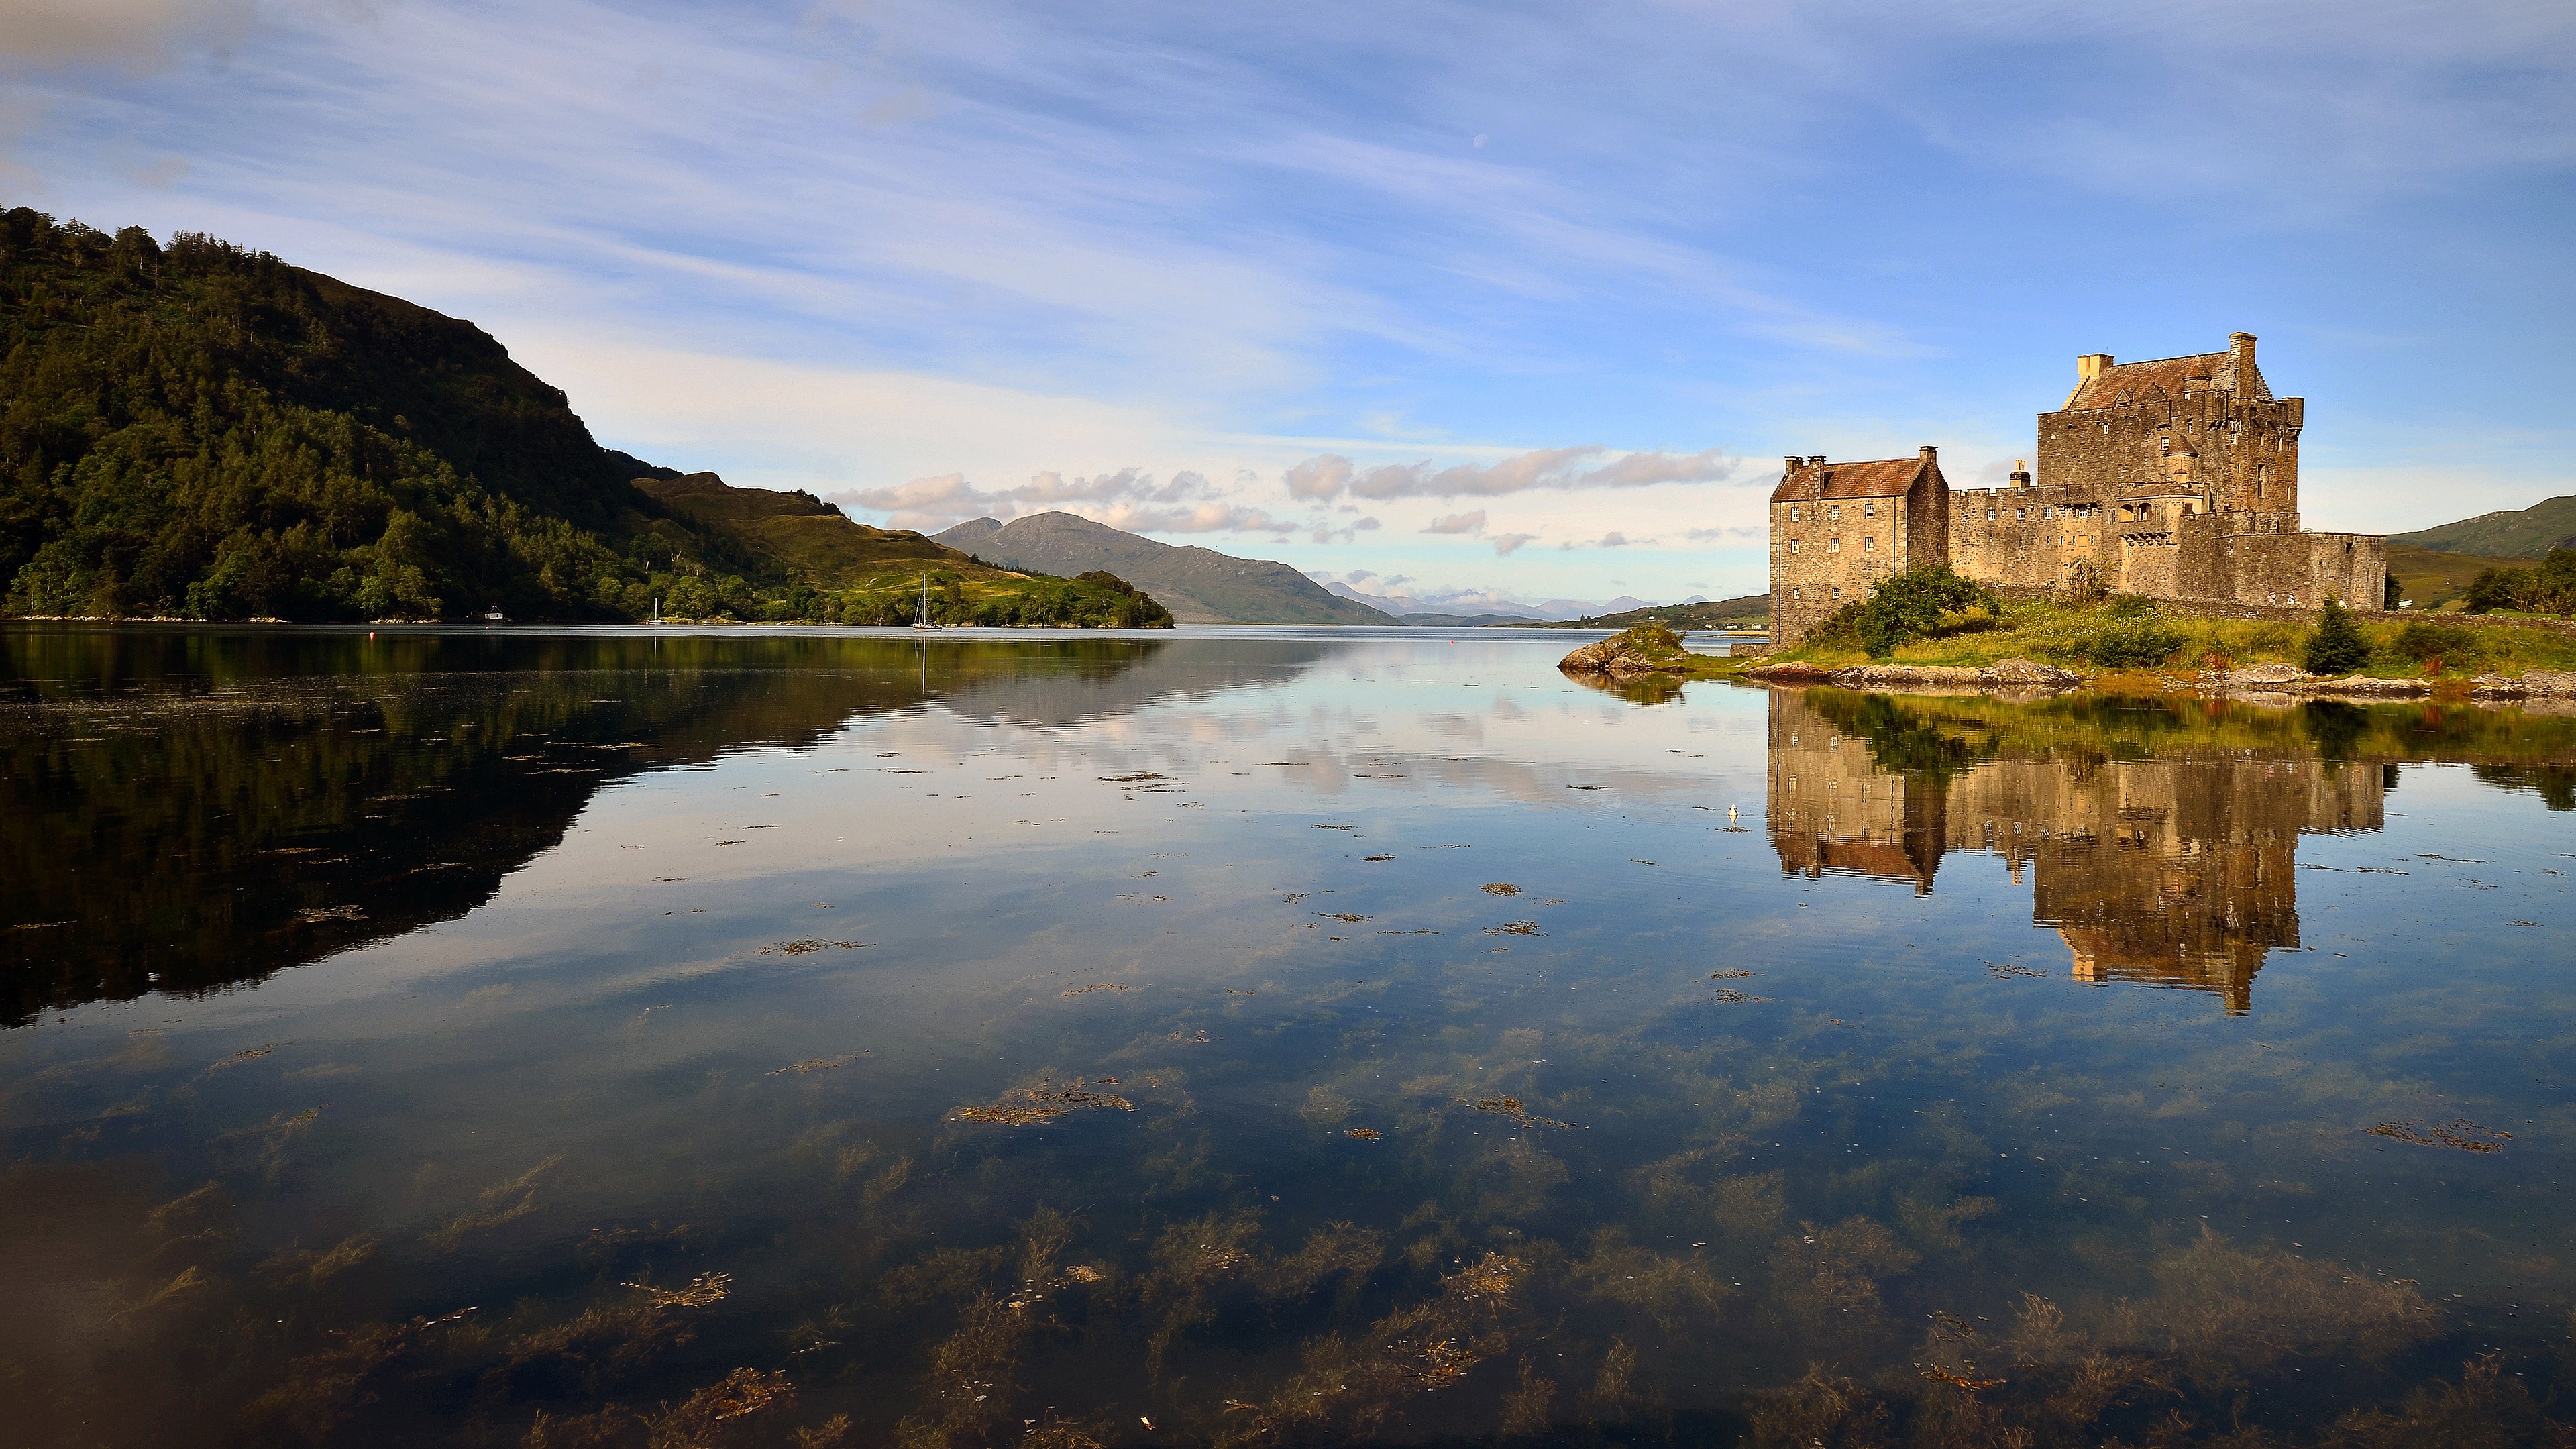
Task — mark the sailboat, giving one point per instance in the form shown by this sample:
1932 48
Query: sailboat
921 615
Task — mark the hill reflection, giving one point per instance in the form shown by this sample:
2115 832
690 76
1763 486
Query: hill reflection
2160 840
190 810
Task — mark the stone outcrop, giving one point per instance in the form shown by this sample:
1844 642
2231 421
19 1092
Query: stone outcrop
2363 686
2031 674
2277 678
2022 676
2531 684
1619 656
1795 671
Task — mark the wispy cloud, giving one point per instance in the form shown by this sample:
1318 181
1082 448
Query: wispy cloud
1457 523
1553 468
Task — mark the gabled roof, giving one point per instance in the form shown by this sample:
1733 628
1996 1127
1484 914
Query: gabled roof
1883 478
2169 373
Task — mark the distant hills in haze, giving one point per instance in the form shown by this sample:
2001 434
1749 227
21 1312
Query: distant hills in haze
1199 585
2518 533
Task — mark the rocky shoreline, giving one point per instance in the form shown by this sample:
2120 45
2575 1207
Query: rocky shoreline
2007 675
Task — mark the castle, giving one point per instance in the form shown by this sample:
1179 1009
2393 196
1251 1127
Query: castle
2173 479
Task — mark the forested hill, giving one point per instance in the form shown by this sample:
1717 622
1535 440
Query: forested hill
205 431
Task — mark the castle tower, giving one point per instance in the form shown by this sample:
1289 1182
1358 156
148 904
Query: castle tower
1839 528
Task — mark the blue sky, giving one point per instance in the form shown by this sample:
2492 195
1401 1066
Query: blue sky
1522 299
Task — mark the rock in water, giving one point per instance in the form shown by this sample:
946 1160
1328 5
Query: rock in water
2031 674
1645 649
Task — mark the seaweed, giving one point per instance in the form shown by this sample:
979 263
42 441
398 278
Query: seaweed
500 1203
809 944
1044 1102
820 1064
1097 986
1364 1134
2459 1135
698 1292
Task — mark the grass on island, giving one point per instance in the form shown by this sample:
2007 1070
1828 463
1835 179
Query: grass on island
2144 639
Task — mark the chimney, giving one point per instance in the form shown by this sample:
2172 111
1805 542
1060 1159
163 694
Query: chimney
2092 365
2240 348
2021 473
1929 455
1818 459
1791 470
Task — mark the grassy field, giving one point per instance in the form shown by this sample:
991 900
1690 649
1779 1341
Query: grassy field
2433 580
2138 642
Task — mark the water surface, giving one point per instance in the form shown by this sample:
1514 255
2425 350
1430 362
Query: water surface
1257 1036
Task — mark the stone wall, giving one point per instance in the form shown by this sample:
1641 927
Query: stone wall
2232 454
2026 537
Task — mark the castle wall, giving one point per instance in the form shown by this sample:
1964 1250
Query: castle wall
2027 537
2289 568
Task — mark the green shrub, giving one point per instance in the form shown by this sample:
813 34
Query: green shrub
2337 646
2424 641
2131 606
2141 645
1910 605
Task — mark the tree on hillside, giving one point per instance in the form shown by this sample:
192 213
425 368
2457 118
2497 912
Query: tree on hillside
2337 647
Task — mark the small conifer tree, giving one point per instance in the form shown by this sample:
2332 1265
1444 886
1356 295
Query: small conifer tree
2337 647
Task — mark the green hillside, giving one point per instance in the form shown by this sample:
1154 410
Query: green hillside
2432 578
1752 610
844 571
200 431
2523 533
205 431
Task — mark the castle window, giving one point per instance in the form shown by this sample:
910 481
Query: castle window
1990 514
1793 513
1869 543
1869 510
1793 545
1834 546
1834 511
1838 593
2019 512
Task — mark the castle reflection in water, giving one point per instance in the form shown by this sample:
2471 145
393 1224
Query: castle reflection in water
2174 870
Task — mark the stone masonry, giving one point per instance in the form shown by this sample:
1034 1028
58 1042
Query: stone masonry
2173 479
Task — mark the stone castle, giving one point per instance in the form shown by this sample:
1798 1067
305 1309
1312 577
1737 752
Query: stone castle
2173 479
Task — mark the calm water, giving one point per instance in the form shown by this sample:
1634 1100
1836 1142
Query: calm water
1289 1037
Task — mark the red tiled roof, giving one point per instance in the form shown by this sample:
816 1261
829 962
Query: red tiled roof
1883 478
2168 373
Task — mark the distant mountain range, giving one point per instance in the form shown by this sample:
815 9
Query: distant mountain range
1199 585
2519 533
1448 609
